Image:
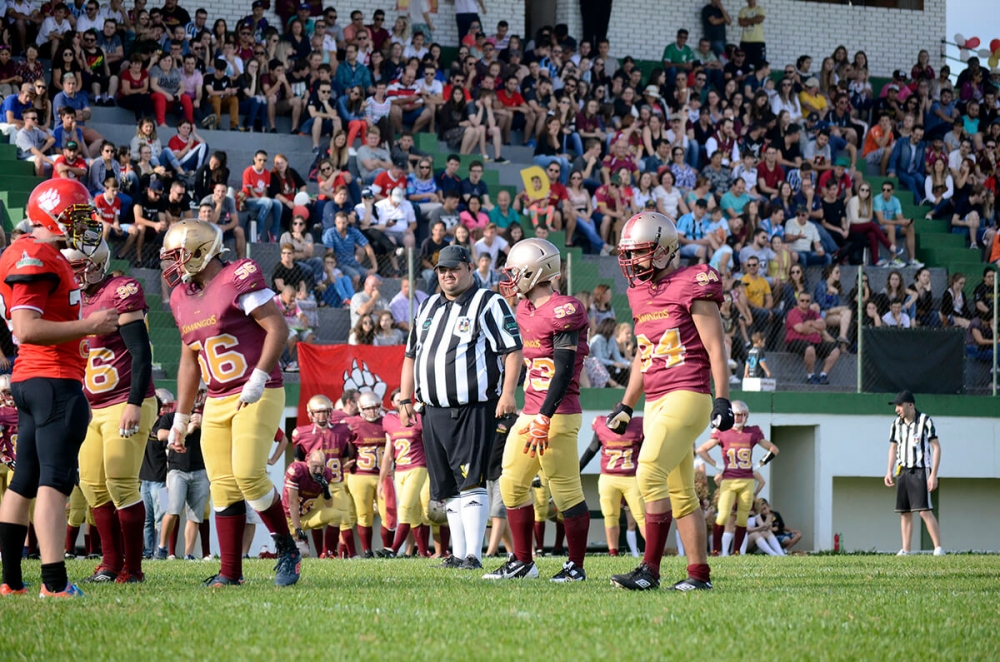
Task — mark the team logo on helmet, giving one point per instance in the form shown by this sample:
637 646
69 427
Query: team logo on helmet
49 200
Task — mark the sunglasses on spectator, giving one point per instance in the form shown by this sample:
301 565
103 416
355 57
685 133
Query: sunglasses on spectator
298 223
424 167
887 189
753 265
864 188
258 52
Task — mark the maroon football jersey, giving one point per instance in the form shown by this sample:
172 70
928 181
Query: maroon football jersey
538 327
619 452
334 441
737 450
8 432
298 477
36 276
211 322
407 443
369 440
673 356
109 368
338 416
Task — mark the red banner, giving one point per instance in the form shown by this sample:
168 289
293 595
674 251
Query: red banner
331 369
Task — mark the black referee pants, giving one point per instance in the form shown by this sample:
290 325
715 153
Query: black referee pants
457 442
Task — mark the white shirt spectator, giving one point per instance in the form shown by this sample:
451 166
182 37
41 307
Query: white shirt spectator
805 244
955 160
903 322
435 87
499 244
410 51
394 219
670 201
49 26
671 136
83 23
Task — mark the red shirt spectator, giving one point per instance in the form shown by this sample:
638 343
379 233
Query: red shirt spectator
384 183
844 184
77 162
771 178
615 163
109 211
256 183
796 316
510 100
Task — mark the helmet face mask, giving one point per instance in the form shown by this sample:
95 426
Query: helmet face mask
649 243
370 406
530 262
740 414
319 409
64 208
89 269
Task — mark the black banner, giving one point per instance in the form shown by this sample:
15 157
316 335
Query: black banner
919 360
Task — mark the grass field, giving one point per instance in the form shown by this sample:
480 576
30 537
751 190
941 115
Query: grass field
764 609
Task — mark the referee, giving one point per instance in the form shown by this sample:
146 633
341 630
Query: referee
463 360
912 439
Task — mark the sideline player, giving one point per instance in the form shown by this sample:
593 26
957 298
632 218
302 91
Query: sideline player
404 457
8 434
368 439
738 474
231 326
553 329
334 441
306 481
119 387
679 337
619 454
42 304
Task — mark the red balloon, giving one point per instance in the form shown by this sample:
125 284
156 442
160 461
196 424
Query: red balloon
972 42
994 45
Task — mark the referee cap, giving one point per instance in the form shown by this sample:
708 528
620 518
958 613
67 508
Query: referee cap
903 397
452 256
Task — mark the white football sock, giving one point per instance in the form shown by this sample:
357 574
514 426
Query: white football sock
633 542
680 544
453 507
776 545
743 547
475 516
727 541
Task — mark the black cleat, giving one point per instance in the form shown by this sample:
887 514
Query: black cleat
690 584
220 581
471 563
640 579
450 563
514 569
385 553
368 554
101 576
570 572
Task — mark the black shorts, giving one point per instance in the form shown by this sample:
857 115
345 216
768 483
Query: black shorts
911 491
53 415
823 349
495 465
457 442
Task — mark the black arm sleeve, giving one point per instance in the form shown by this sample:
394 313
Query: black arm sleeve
563 375
593 449
136 339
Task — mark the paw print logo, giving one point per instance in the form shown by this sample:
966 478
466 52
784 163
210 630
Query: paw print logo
361 378
48 200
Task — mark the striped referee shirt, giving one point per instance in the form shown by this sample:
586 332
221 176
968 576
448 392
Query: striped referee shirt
913 441
458 347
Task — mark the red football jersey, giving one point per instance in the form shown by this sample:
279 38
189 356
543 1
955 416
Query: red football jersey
211 322
109 368
407 443
37 276
737 450
619 452
334 441
338 416
8 432
369 440
108 211
298 477
538 329
673 356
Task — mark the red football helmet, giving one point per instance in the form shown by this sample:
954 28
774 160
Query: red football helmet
64 207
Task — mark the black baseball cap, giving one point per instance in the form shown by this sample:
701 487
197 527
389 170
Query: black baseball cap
452 256
903 397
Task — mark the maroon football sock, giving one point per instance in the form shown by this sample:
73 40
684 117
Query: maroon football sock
106 521
132 521
386 537
274 518
421 535
741 533
402 530
717 532
173 538
230 531
96 544
72 533
657 528
347 538
612 551
317 536
699 571
205 531
521 521
87 544
365 533
539 534
577 532
444 533
561 535
330 540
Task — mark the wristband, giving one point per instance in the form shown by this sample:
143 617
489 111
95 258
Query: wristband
406 401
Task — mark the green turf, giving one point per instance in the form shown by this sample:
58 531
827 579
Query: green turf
796 608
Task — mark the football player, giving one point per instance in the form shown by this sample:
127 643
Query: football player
8 434
119 387
679 338
404 446
232 336
554 331
619 454
349 406
305 482
737 475
368 439
334 441
42 304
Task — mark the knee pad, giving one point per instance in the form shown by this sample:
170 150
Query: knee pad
224 494
684 502
123 491
566 492
652 482
96 494
238 508
256 487
512 492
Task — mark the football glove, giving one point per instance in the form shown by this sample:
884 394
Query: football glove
175 438
9 461
300 534
536 481
618 420
254 388
722 415
321 480
538 435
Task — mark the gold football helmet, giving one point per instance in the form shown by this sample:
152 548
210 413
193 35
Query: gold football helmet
371 406
648 242
6 397
188 247
319 409
89 270
530 262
